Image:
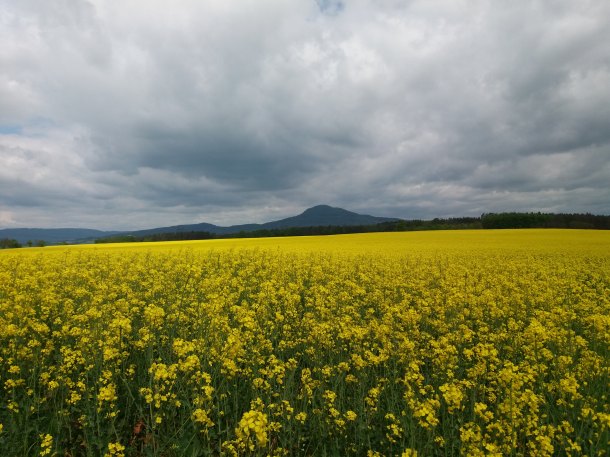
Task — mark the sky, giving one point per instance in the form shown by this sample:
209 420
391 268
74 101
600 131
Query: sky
143 113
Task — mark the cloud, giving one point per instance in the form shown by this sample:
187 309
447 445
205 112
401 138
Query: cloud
145 114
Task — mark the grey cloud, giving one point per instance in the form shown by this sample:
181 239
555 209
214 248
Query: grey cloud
212 110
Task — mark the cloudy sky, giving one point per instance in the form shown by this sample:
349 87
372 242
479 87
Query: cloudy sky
139 113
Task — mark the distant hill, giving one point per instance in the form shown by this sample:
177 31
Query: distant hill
54 235
319 220
321 215
326 215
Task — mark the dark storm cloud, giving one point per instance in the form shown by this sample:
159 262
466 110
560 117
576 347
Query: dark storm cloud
149 113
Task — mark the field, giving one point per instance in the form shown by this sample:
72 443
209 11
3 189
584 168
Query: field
399 344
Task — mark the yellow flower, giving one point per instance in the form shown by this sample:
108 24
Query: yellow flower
453 396
107 393
351 416
200 416
46 444
253 424
115 450
155 315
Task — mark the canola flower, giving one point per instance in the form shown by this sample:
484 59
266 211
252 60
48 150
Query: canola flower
434 343
46 444
115 450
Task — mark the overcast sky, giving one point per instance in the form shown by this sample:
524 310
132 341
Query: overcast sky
139 113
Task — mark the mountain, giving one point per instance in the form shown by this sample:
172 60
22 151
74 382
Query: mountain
51 236
202 227
321 215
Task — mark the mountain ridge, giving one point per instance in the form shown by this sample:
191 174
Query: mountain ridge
319 215
53 235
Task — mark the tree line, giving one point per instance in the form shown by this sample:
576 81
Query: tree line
485 221
544 220
10 243
392 226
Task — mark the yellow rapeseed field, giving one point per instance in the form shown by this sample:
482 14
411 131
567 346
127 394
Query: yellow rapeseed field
477 343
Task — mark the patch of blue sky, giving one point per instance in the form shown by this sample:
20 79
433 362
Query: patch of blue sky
330 7
9 129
